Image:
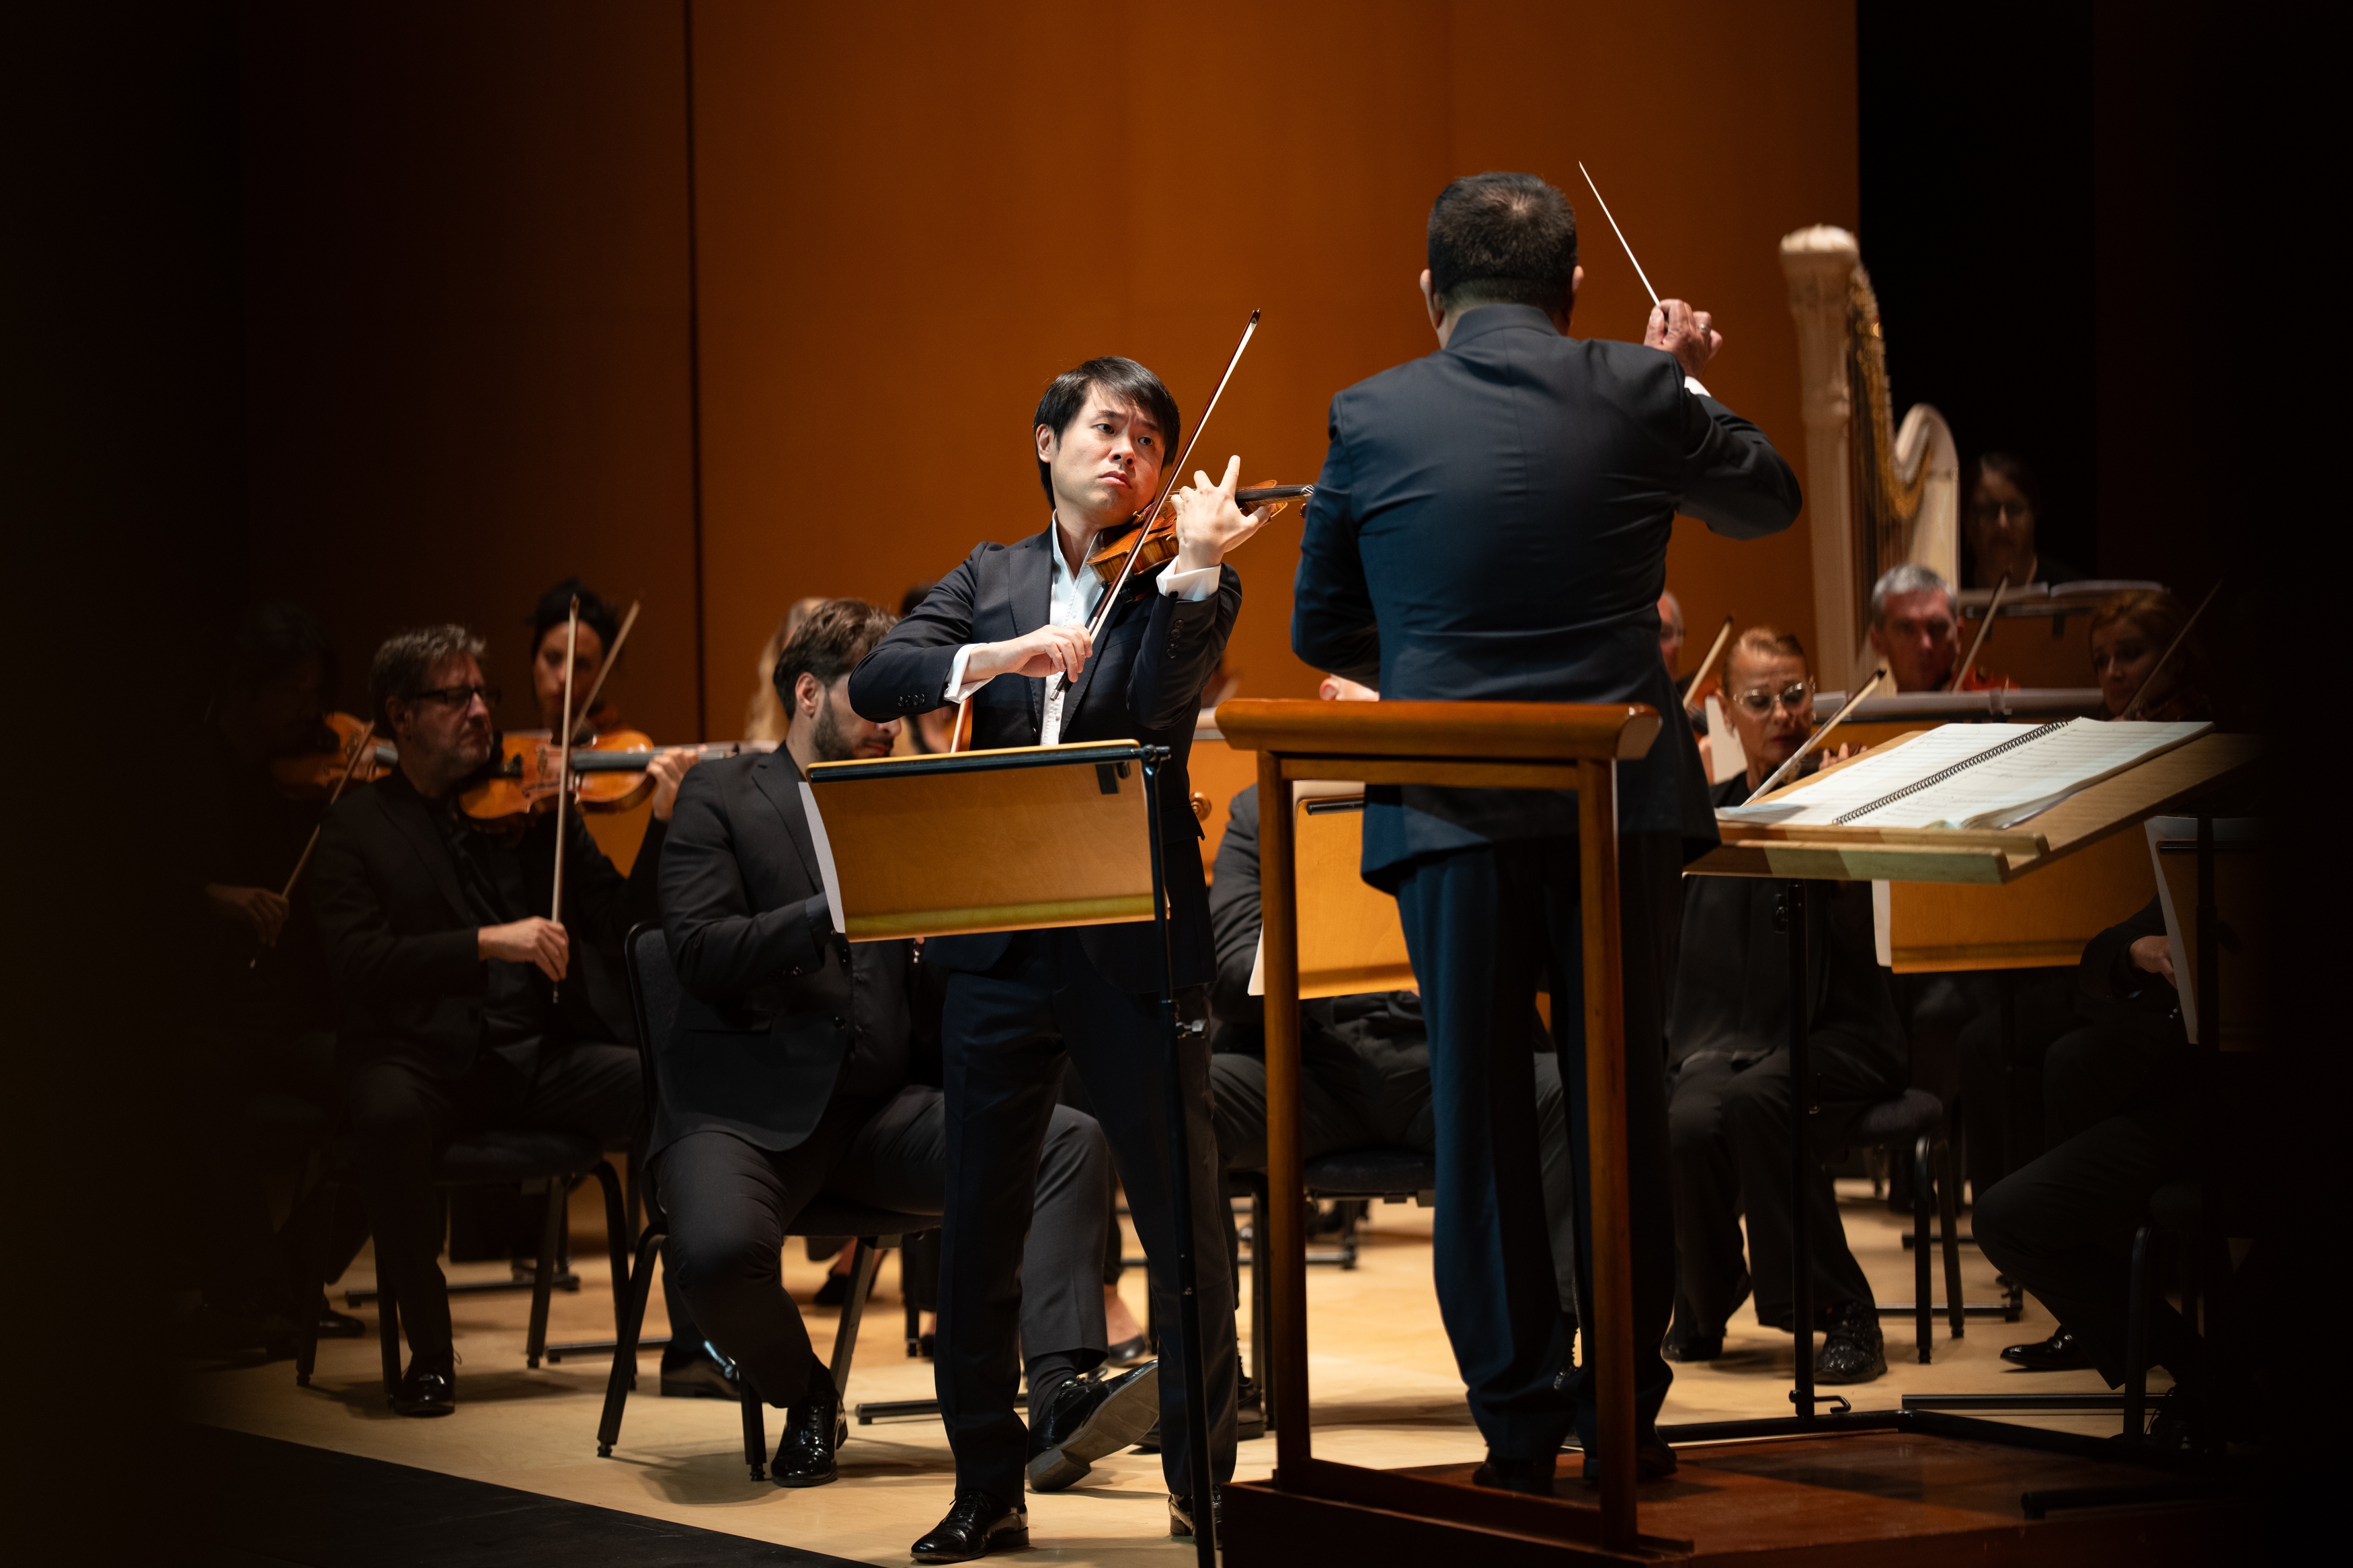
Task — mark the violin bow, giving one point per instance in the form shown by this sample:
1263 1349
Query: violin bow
359 750
589 705
563 770
2148 682
1127 567
1814 740
1707 664
1961 671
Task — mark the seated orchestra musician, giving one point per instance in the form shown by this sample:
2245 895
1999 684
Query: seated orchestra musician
1728 1108
1023 1007
1364 1060
550 630
444 958
1998 525
251 972
1915 631
802 1063
2129 633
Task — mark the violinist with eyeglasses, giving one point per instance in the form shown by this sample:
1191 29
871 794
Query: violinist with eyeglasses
448 965
1000 633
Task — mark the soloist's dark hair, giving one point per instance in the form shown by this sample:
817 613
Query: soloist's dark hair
271 641
405 663
554 608
1502 239
1122 379
829 644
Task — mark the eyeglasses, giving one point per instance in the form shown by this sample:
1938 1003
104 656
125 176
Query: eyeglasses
1794 696
1992 510
460 695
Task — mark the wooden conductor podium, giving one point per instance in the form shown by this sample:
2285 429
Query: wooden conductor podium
1488 745
1836 1488
1026 839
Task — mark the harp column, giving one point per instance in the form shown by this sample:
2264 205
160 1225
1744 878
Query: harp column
1818 262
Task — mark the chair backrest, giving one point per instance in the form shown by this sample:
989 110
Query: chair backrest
654 997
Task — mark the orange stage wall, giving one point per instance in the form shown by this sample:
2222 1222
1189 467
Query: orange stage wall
467 299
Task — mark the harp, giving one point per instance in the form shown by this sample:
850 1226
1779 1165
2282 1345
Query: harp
1878 495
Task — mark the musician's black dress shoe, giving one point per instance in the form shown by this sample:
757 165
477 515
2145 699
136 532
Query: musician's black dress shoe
1696 1347
1533 1476
1127 1352
334 1325
1854 1351
1088 1417
978 1525
1249 1412
699 1372
814 1431
430 1389
1180 1515
2062 1351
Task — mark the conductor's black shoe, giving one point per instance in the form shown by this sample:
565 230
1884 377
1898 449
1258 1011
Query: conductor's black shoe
1852 1351
814 1432
1088 1417
1653 1461
1249 1412
1180 1515
1694 1347
1533 1476
978 1525
2062 1351
700 1374
430 1389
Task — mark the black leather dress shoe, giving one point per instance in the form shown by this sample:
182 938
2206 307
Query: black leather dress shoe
2062 1351
1127 1352
1852 1351
978 1525
1698 1347
813 1433
702 1374
1532 1477
334 1325
1653 1461
1091 1417
430 1389
1249 1413
1180 1516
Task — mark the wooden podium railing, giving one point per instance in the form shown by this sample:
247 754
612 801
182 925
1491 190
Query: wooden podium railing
1482 745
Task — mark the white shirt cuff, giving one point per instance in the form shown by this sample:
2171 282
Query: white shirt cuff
1191 586
1692 386
957 690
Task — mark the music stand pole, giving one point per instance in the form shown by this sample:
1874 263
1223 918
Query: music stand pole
1189 1296
1801 1252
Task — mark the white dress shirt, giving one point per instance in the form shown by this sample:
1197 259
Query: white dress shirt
1076 596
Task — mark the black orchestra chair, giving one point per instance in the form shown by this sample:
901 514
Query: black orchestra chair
1914 1123
655 994
2203 1230
549 1158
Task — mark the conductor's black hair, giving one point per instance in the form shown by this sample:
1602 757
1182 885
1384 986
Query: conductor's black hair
1502 239
270 643
1120 379
554 608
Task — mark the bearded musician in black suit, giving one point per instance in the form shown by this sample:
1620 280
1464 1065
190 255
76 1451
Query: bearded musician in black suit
999 631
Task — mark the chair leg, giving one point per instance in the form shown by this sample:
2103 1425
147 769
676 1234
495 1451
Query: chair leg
1923 1309
1259 1319
862 1265
755 1435
542 1280
313 1250
634 1295
1948 1206
617 1233
2136 1340
388 1331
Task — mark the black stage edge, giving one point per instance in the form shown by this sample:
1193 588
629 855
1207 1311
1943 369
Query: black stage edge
269 1503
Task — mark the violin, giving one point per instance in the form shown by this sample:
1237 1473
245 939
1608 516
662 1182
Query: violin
318 775
609 774
1111 546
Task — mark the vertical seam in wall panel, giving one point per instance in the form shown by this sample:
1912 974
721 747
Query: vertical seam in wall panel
695 392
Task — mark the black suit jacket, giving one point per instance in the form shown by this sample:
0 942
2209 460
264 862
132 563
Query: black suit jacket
1492 525
399 933
773 1004
1144 684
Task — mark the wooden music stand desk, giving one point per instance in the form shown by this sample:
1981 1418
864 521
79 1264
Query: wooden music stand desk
1487 745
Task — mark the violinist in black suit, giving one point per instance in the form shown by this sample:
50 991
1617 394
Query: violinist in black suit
998 632
1492 525
441 950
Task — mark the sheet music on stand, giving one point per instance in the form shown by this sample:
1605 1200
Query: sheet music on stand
1969 775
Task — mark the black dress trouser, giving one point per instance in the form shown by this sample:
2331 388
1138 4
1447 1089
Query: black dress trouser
401 1109
1483 925
1730 1128
1007 1033
730 1205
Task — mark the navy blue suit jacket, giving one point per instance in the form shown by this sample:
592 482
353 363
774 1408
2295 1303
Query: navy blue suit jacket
1142 684
1492 525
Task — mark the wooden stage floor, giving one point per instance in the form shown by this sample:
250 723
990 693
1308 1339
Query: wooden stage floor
1385 1388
